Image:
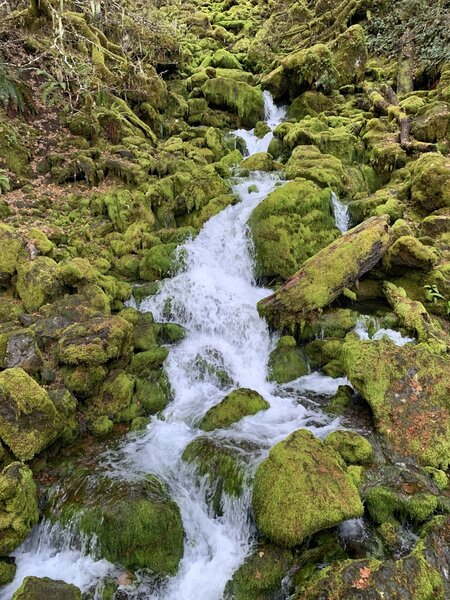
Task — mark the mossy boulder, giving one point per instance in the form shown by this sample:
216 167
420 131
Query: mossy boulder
261 161
158 262
135 525
408 389
236 96
225 60
10 246
18 505
310 103
234 407
7 571
325 170
302 488
408 251
289 226
430 183
353 447
153 392
339 265
420 575
83 380
432 122
331 323
36 588
114 396
261 574
286 362
95 341
37 282
143 363
29 421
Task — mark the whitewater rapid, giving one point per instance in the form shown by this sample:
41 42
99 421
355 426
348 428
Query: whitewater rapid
214 298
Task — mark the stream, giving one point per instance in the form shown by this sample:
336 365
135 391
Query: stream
214 297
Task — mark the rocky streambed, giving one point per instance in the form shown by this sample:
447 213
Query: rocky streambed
224 337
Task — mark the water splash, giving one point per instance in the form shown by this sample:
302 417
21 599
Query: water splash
366 324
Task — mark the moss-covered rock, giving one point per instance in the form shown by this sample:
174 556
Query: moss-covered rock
339 265
420 575
408 251
234 407
286 362
114 396
261 161
309 103
29 421
430 184
158 262
350 55
261 574
301 488
10 247
225 60
331 323
289 226
153 393
323 169
143 363
353 447
7 571
236 96
408 391
95 341
18 504
136 525
18 348
432 122
37 282
35 588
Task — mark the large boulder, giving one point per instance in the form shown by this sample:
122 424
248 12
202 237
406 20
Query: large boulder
430 183
18 348
408 389
95 341
37 282
136 525
29 421
234 407
302 488
18 506
36 588
10 247
350 55
236 96
289 226
326 275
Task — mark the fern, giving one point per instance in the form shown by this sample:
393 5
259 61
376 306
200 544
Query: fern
14 96
4 183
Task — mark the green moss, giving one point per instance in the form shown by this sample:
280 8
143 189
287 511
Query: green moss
101 426
325 170
152 393
29 421
94 342
341 400
222 464
41 241
286 362
289 226
136 525
350 55
171 333
384 504
7 572
408 251
352 446
37 282
432 122
235 406
260 161
236 96
261 574
430 184
224 59
19 508
158 262
10 247
114 396
340 264
144 362
35 588
408 390
83 380
302 488
439 477
311 104
145 333
331 323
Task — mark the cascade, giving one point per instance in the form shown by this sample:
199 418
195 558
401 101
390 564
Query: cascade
214 298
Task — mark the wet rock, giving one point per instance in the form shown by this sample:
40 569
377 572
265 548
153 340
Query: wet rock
302 488
152 393
18 348
136 525
236 96
286 362
261 161
95 341
261 574
408 251
35 588
331 323
114 397
408 389
7 571
234 407
419 575
143 363
18 505
340 264
29 421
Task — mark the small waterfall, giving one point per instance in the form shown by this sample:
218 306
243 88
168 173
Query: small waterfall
341 213
370 328
214 297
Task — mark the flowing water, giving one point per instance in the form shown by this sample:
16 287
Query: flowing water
370 328
341 213
214 297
